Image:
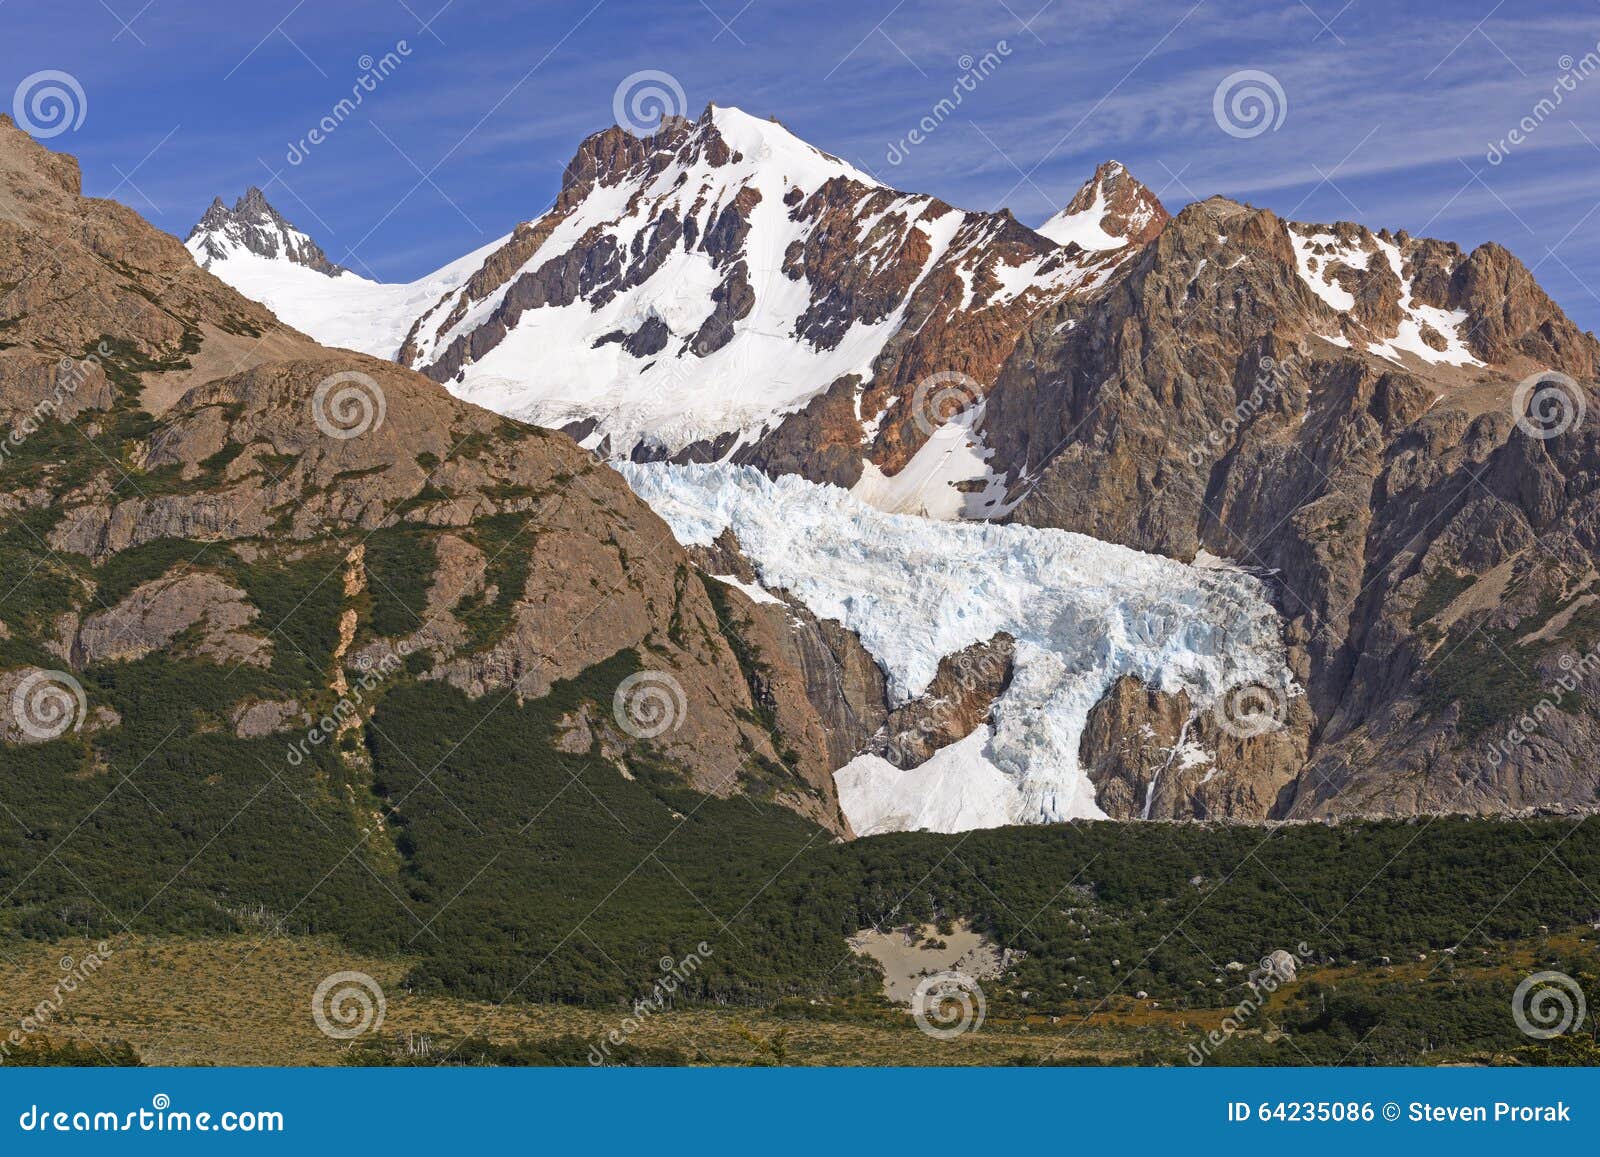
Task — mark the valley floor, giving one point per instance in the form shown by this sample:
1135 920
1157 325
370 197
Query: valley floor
241 1000
247 1001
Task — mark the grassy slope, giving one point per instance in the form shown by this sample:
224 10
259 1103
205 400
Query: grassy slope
246 1000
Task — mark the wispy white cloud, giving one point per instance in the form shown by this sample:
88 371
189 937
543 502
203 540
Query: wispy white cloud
514 88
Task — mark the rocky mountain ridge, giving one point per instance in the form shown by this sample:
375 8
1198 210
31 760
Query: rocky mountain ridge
1369 419
720 290
254 226
1377 422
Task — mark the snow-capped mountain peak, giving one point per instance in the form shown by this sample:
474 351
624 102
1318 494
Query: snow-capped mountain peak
719 288
712 280
257 251
672 275
254 226
770 145
1111 210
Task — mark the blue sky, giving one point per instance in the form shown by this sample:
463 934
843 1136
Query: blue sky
1388 110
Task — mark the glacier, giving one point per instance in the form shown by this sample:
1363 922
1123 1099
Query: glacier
1083 612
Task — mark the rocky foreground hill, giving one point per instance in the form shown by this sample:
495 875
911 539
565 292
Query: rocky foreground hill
176 453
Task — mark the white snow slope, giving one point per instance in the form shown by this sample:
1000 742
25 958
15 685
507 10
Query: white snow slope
348 311
550 371
1082 228
1083 613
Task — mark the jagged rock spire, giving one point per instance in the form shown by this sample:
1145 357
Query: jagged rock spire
1112 209
254 226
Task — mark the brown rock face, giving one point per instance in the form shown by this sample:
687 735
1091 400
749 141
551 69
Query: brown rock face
258 717
1513 318
1221 396
213 616
955 704
833 673
1151 756
821 442
821 682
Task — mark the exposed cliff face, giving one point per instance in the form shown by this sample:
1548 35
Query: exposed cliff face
1340 409
193 613
957 703
1153 756
224 444
838 677
842 684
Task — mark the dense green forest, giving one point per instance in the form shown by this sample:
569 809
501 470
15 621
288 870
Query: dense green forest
512 869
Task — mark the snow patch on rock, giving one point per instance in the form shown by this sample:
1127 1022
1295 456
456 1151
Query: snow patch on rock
1408 338
948 477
